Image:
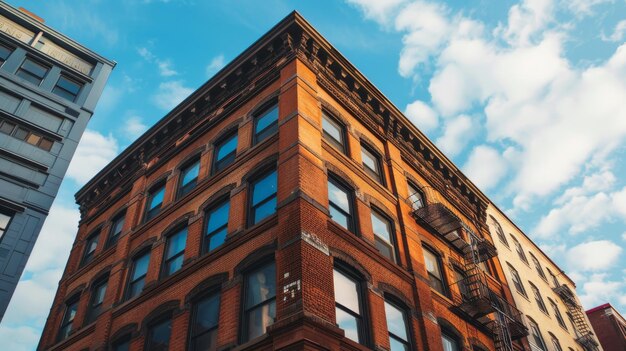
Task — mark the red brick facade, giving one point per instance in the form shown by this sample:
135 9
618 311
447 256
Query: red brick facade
292 65
609 326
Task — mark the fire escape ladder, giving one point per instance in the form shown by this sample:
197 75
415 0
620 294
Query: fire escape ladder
501 335
441 220
583 331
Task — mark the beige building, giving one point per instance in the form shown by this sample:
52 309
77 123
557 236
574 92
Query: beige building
541 290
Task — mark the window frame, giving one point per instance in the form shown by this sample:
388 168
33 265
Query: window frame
88 256
9 214
28 73
418 191
245 310
94 311
499 231
520 250
251 207
184 189
379 173
538 267
150 332
341 145
124 339
349 191
557 313
71 303
155 189
517 281
132 270
219 165
534 327
206 235
193 334
439 262
363 325
272 128
167 260
392 244
447 334
67 77
9 48
406 315
113 236
539 298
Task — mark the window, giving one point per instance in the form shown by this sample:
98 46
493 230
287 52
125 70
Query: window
554 280
557 314
542 274
188 178
139 270
90 247
450 342
155 201
499 231
371 163
263 197
535 336
460 278
26 135
204 322
116 229
416 197
216 226
520 250
97 298
341 204
67 88
538 298
5 51
5 218
68 318
159 336
334 132
383 235
260 301
348 305
398 327
435 273
32 71
266 123
517 281
225 153
555 343
175 252
122 344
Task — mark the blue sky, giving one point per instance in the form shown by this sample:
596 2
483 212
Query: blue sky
526 97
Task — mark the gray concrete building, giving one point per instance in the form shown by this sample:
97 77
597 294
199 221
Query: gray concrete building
49 87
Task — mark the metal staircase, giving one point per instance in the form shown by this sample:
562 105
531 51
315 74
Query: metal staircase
583 331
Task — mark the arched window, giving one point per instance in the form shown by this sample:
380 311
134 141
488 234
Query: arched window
416 196
542 274
225 152
91 244
334 132
350 304
159 332
398 326
259 308
535 335
116 228
538 298
450 341
262 199
67 323
188 179
96 300
216 225
517 281
204 323
341 203
155 200
434 268
137 276
174 251
384 234
499 231
519 249
372 163
266 122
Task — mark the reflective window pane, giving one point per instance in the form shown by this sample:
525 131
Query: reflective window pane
191 173
217 239
264 188
346 291
396 321
259 318
381 227
176 243
229 146
141 266
265 210
348 323
159 336
266 120
218 217
338 197
396 345
261 285
449 343
339 217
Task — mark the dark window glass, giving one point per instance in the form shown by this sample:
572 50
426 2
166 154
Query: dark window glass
536 339
499 231
46 144
383 235
116 229
5 218
397 325
122 344
557 314
517 281
7 127
216 226
554 280
538 267
371 163
175 251
435 272
21 133
90 247
334 132
340 204
67 88
263 197
260 301
348 302
155 201
68 318
225 153
266 124
555 343
205 317
538 298
188 178
97 297
450 343
520 250
138 274
32 71
4 53
416 198
159 336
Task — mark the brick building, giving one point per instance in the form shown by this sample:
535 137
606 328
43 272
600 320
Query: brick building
286 204
49 88
609 326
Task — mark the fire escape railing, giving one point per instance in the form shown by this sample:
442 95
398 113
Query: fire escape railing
475 299
583 331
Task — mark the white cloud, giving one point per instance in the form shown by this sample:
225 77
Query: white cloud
485 167
599 289
378 10
165 68
624 236
93 153
171 94
420 114
526 19
596 182
19 338
457 133
584 7
618 32
593 255
134 127
216 64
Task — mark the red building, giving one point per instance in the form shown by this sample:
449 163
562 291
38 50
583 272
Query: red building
610 327
284 205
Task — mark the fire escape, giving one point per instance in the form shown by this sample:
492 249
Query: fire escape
583 331
476 300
